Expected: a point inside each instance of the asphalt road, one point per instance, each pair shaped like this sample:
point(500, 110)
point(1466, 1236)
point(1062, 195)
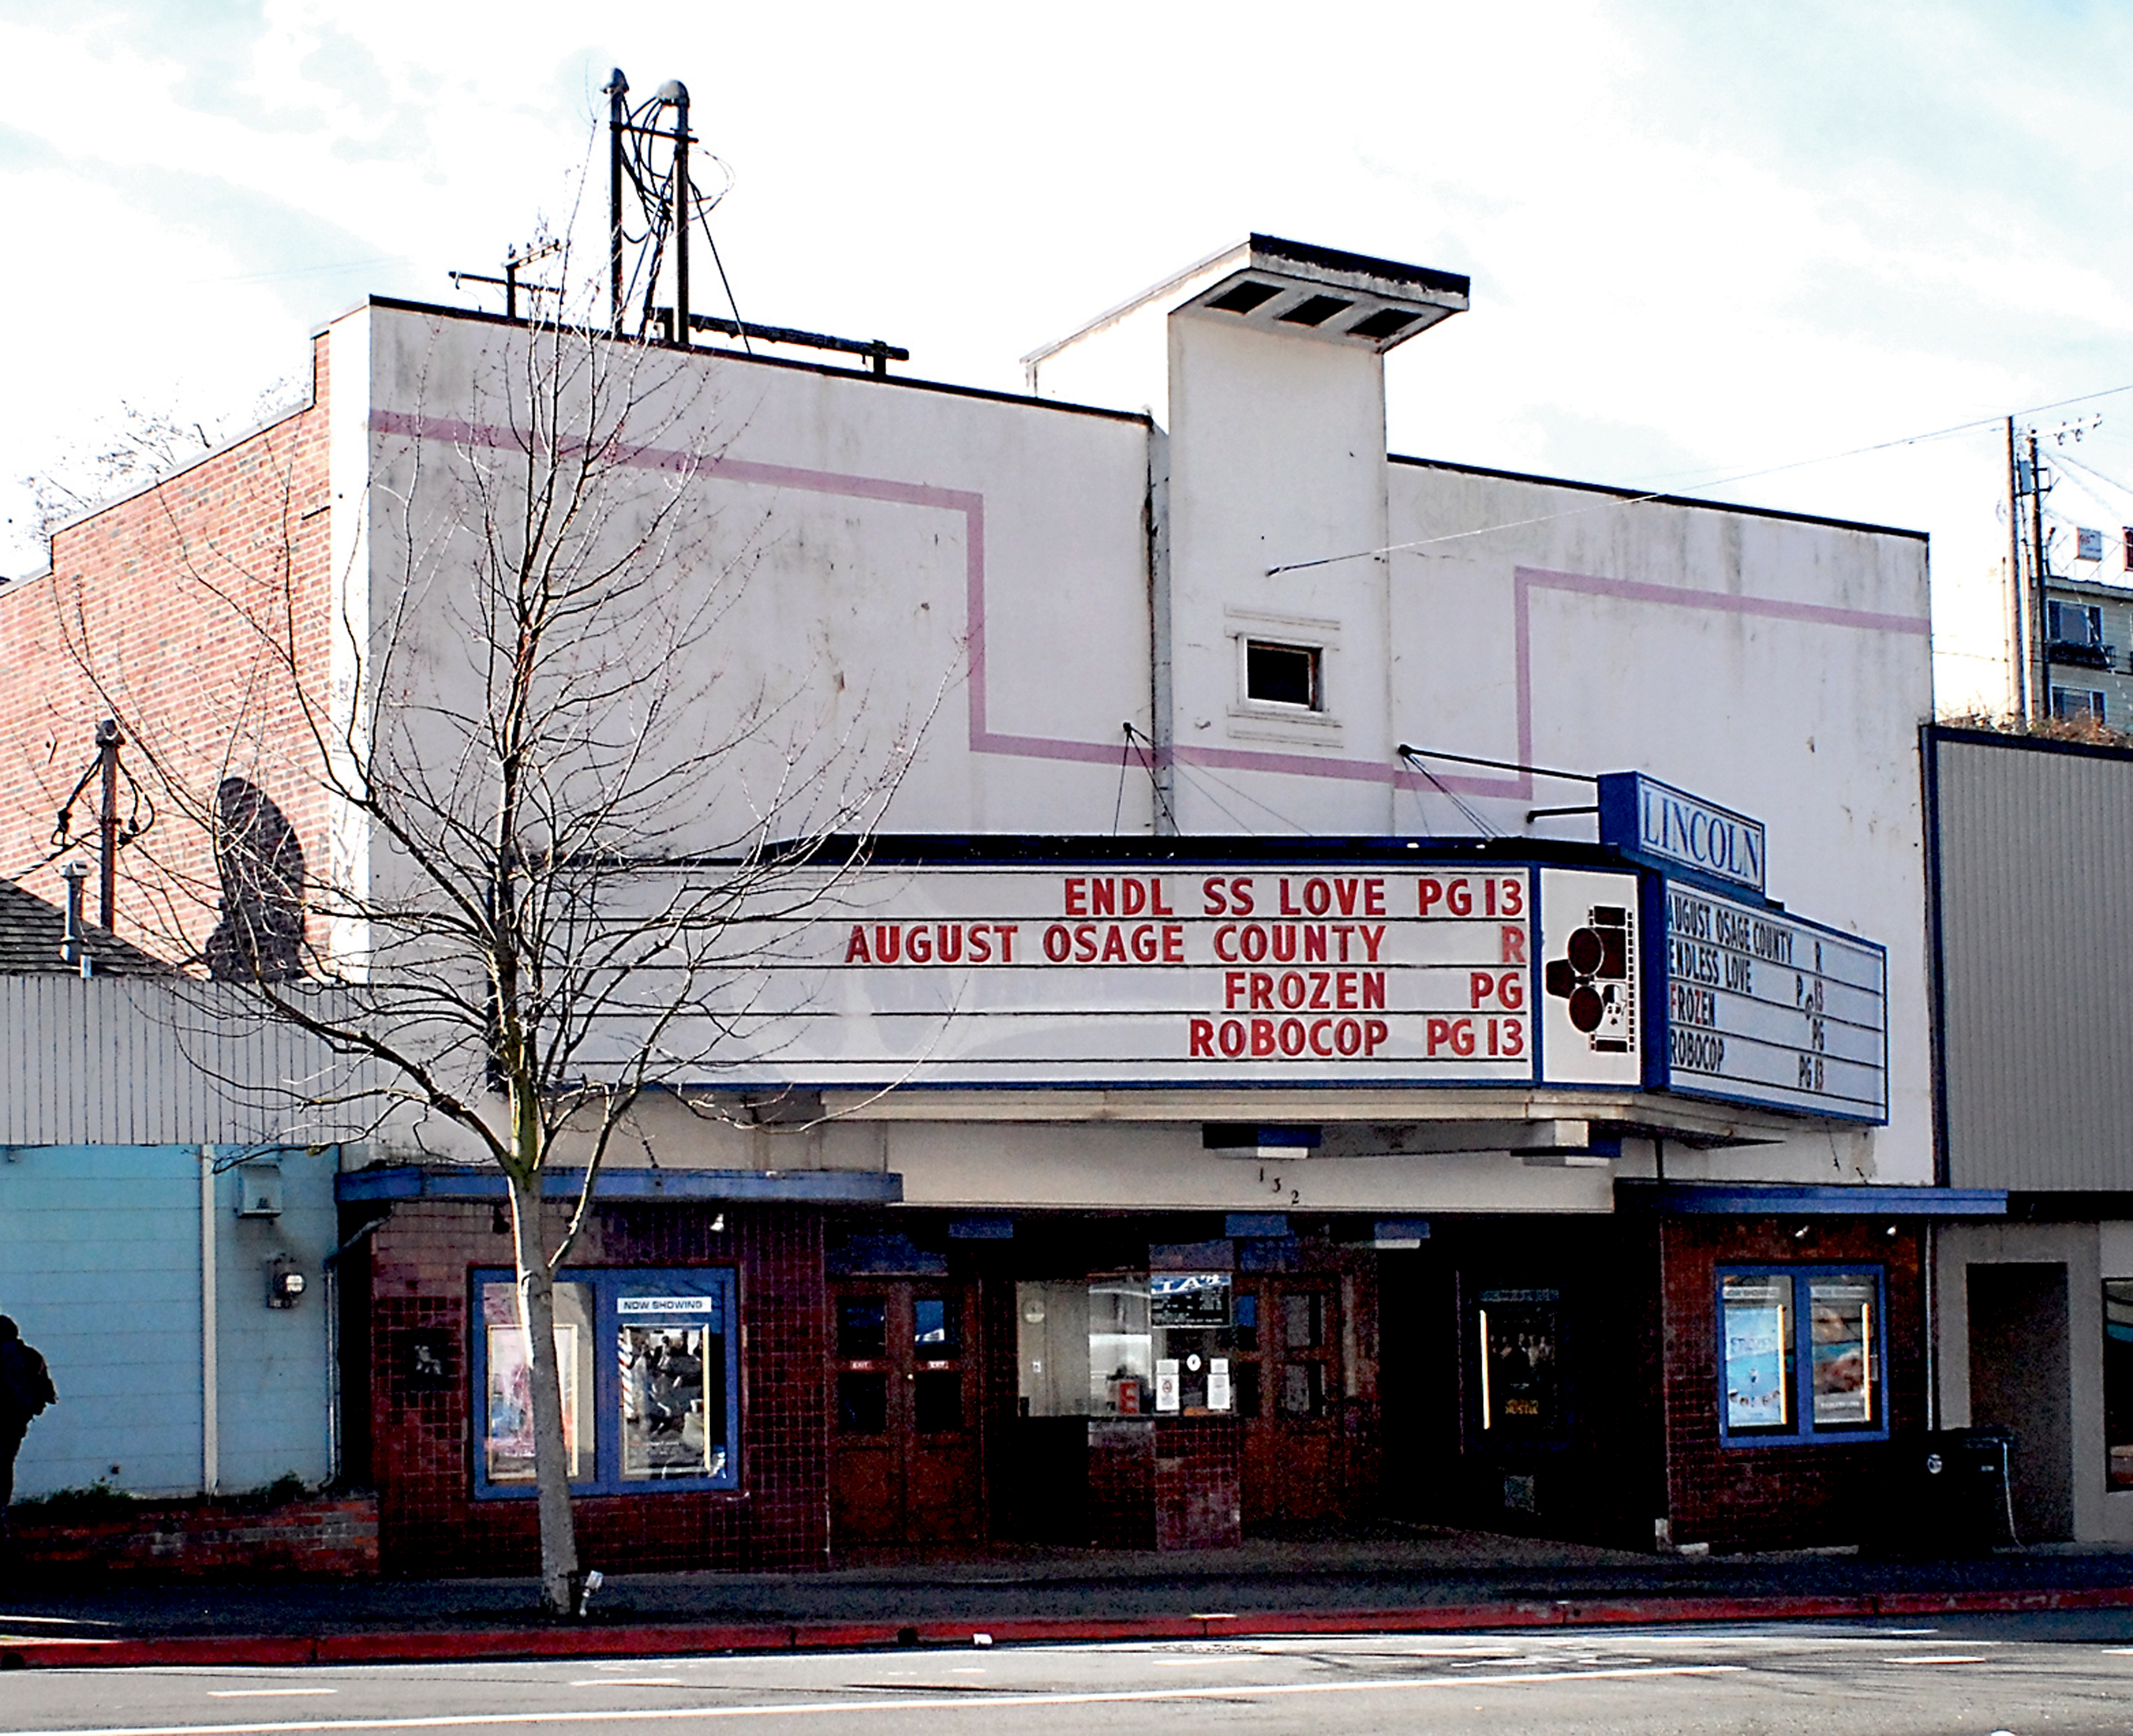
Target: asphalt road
point(2020, 1675)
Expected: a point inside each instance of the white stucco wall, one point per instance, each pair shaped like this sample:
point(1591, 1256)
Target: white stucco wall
point(2089, 1253)
point(858, 565)
point(1778, 667)
point(882, 556)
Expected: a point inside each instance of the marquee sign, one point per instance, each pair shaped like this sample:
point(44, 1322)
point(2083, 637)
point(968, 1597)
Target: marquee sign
point(1245, 974)
point(1072, 975)
point(1763, 1008)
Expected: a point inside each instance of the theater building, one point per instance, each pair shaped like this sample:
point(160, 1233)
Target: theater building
point(1385, 987)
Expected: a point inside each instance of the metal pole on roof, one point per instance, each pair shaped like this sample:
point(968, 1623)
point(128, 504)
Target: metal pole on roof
point(73, 950)
point(677, 93)
point(617, 118)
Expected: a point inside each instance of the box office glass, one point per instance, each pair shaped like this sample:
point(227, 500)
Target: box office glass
point(660, 1410)
point(1801, 1354)
point(1127, 1344)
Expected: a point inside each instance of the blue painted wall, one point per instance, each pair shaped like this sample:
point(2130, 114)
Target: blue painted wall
point(99, 1264)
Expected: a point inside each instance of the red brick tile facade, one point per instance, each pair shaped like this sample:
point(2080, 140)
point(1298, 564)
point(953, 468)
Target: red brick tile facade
point(191, 612)
point(321, 1538)
point(1122, 1483)
point(422, 1435)
point(1778, 1496)
point(1199, 1482)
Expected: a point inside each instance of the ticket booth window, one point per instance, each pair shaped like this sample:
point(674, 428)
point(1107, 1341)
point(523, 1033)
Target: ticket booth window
point(1133, 1344)
point(659, 1410)
point(1801, 1353)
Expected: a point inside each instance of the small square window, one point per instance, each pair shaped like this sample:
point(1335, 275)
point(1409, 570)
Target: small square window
point(2078, 625)
point(1302, 1390)
point(863, 1328)
point(862, 1402)
point(1285, 675)
point(937, 1401)
point(2070, 703)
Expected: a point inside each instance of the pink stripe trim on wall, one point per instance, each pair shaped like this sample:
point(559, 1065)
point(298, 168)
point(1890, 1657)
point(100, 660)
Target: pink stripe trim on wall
point(982, 739)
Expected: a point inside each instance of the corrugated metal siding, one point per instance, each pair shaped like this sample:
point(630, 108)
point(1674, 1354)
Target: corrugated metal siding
point(2036, 886)
point(136, 1061)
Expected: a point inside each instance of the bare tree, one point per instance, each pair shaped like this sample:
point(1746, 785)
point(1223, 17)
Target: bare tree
point(562, 823)
point(138, 446)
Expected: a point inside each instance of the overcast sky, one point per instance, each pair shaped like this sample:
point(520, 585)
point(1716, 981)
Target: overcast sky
point(1713, 247)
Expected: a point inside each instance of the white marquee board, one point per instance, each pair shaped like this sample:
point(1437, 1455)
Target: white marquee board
point(1072, 976)
point(1764, 1008)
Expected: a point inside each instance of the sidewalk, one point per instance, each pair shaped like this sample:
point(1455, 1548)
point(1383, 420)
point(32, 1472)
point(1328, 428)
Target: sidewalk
point(1384, 1579)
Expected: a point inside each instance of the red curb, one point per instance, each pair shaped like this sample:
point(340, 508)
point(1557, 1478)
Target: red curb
point(672, 1639)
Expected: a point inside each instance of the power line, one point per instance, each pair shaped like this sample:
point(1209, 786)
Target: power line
point(1720, 481)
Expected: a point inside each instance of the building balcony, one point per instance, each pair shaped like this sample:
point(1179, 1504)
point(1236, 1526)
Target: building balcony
point(2088, 657)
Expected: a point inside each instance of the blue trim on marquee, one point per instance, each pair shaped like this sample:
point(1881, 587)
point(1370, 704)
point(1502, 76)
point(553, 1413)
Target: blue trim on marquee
point(1748, 1199)
point(422, 1181)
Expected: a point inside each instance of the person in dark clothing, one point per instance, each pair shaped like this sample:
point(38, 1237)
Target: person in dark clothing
point(26, 1388)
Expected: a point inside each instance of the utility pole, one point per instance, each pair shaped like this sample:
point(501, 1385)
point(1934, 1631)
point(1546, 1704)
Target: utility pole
point(2040, 692)
point(2018, 652)
point(108, 739)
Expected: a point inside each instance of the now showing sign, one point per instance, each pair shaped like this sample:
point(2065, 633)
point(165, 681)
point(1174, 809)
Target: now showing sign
point(1667, 826)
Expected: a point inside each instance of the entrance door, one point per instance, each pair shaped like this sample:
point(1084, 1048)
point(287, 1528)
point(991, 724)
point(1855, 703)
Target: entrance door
point(1288, 1384)
point(2020, 1380)
point(903, 1446)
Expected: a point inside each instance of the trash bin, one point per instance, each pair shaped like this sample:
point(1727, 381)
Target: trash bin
point(1950, 1494)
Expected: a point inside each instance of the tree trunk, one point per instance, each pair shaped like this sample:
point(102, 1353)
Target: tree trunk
point(551, 1457)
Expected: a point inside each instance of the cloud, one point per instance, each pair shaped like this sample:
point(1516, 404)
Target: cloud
point(1705, 241)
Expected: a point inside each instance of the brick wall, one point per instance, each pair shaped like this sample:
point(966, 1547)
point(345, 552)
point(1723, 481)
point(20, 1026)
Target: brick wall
point(1121, 1482)
point(322, 1538)
point(422, 1435)
point(1199, 1482)
point(1788, 1496)
point(191, 612)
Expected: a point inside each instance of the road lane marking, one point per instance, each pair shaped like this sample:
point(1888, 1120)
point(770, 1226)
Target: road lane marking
point(53, 1639)
point(836, 1708)
point(265, 1693)
point(631, 1681)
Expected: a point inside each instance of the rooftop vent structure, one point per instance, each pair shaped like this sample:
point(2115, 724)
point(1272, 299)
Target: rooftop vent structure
point(1344, 298)
point(1281, 288)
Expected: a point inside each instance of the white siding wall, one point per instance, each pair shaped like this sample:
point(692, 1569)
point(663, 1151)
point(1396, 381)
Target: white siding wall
point(129, 1061)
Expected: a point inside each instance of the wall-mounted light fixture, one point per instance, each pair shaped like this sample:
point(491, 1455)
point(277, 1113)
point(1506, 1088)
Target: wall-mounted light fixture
point(259, 1190)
